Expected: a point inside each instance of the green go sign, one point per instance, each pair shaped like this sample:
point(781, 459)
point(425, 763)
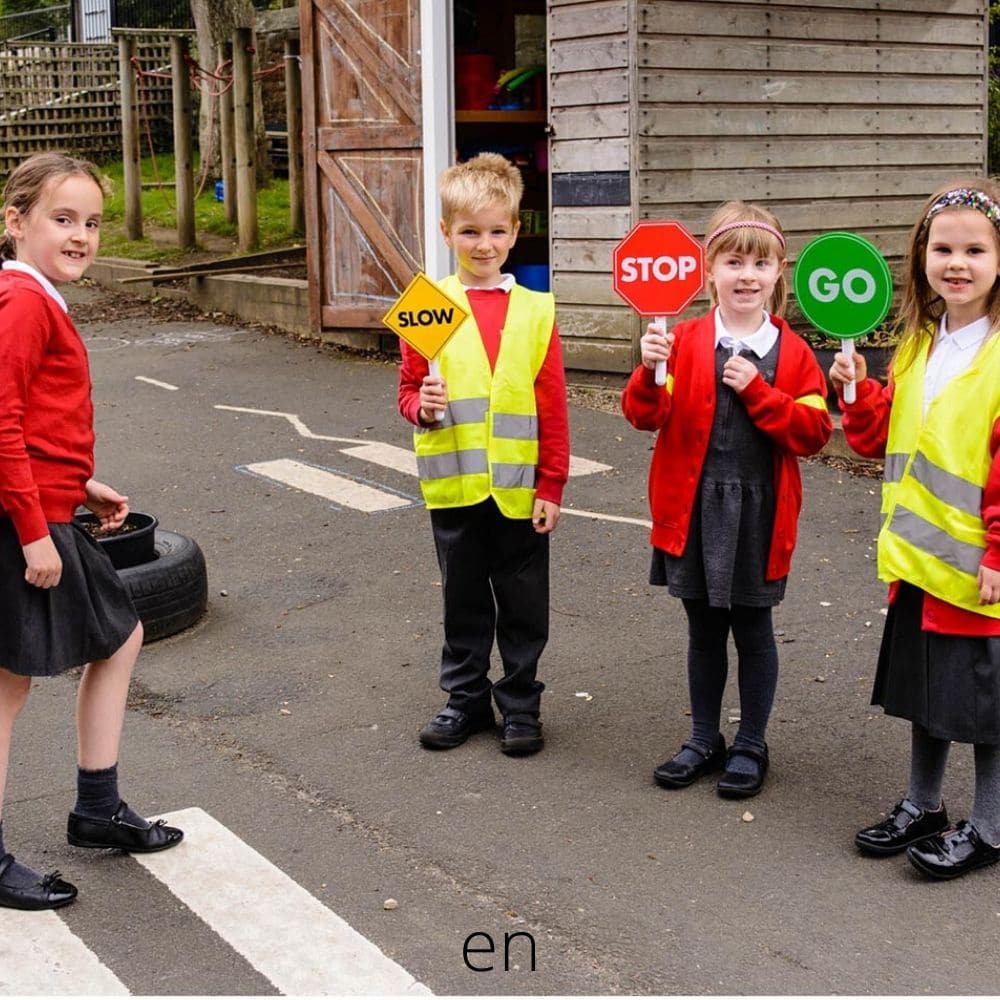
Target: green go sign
point(843, 285)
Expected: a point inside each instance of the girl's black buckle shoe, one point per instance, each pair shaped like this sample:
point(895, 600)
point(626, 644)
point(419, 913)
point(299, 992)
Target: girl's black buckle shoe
point(49, 893)
point(117, 832)
point(740, 784)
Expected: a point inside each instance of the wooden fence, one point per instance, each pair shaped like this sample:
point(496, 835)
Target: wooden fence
point(66, 97)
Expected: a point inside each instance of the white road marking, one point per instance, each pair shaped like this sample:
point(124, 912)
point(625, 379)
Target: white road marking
point(283, 931)
point(292, 418)
point(41, 956)
point(156, 382)
point(339, 489)
point(593, 515)
point(585, 467)
point(386, 455)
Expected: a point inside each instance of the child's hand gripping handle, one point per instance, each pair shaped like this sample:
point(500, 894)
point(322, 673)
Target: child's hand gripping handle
point(850, 388)
point(660, 374)
point(435, 370)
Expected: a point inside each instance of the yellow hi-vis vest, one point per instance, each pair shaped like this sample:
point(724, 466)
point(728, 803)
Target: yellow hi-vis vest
point(487, 443)
point(933, 534)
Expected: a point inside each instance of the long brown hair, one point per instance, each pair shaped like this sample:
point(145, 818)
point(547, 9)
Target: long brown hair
point(750, 241)
point(27, 181)
point(921, 307)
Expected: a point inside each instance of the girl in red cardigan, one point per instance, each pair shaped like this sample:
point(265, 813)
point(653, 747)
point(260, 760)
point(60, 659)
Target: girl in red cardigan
point(61, 602)
point(744, 397)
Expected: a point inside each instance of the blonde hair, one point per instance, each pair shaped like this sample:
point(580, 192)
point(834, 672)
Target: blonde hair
point(750, 240)
point(921, 307)
point(28, 180)
point(485, 180)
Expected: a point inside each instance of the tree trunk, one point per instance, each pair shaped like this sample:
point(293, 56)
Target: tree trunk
point(214, 22)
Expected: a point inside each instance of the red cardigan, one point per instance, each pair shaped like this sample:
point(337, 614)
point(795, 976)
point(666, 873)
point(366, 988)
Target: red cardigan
point(684, 421)
point(46, 416)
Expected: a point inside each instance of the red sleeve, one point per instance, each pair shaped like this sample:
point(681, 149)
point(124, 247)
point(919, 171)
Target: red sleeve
point(866, 420)
point(645, 404)
point(411, 376)
point(24, 333)
point(795, 426)
point(553, 424)
point(991, 504)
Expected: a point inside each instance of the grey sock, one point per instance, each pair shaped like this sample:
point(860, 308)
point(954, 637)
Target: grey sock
point(928, 758)
point(97, 792)
point(17, 876)
point(986, 806)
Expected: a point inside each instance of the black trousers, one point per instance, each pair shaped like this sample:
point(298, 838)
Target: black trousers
point(495, 582)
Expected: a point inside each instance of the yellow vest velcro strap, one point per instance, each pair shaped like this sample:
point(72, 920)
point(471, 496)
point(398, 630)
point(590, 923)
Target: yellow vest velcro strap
point(895, 464)
point(946, 486)
point(512, 425)
point(511, 477)
point(814, 400)
point(936, 542)
point(452, 463)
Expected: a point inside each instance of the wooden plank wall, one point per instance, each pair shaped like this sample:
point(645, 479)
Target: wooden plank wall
point(833, 113)
point(591, 98)
point(837, 115)
point(66, 97)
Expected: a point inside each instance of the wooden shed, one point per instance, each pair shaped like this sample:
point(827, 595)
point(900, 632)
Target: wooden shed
point(841, 114)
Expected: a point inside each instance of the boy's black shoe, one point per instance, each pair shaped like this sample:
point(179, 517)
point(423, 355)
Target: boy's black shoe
point(905, 825)
point(521, 735)
point(452, 727)
point(952, 852)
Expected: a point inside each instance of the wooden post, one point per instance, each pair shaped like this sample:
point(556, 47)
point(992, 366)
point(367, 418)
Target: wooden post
point(246, 146)
point(183, 161)
point(293, 115)
point(130, 138)
point(227, 140)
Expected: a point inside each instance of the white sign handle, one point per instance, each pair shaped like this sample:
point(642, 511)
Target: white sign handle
point(435, 367)
point(661, 366)
point(850, 389)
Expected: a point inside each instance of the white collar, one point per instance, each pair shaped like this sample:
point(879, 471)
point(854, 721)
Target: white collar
point(16, 265)
point(760, 341)
point(970, 335)
point(506, 283)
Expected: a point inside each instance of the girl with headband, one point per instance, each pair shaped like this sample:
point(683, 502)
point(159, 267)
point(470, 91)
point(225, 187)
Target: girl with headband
point(937, 424)
point(744, 397)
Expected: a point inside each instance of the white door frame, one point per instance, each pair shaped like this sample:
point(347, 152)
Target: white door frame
point(437, 74)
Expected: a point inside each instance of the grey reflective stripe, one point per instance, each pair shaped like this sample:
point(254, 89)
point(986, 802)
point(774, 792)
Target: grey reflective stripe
point(933, 540)
point(460, 411)
point(895, 463)
point(953, 490)
point(512, 477)
point(451, 463)
point(510, 425)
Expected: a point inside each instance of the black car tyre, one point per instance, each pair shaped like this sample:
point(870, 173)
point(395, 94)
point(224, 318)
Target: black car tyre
point(170, 592)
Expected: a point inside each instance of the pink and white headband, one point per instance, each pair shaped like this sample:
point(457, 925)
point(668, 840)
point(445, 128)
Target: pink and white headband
point(745, 224)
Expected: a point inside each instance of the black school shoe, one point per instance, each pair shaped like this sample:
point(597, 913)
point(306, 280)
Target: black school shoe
point(451, 727)
point(739, 784)
point(906, 824)
point(672, 774)
point(521, 735)
point(117, 832)
point(49, 893)
point(952, 853)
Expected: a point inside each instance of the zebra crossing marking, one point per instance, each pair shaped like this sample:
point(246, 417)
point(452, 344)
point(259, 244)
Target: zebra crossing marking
point(337, 487)
point(282, 930)
point(41, 956)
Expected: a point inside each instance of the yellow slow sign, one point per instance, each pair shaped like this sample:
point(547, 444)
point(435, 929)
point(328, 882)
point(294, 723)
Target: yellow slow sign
point(424, 316)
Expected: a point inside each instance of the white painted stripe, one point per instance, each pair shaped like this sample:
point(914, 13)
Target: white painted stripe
point(41, 956)
point(283, 931)
point(292, 418)
point(606, 517)
point(585, 467)
point(339, 489)
point(156, 382)
point(386, 455)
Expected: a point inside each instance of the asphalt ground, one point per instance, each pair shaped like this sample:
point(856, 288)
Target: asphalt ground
point(290, 714)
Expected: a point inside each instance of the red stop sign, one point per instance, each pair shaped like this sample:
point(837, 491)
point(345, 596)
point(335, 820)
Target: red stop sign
point(659, 268)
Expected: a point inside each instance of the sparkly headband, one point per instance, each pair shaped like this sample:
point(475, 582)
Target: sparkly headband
point(747, 225)
point(965, 198)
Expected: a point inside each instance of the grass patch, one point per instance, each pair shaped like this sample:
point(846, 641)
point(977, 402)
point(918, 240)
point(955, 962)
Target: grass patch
point(159, 213)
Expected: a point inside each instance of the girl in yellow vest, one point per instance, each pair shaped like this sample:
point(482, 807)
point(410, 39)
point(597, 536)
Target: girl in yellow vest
point(937, 425)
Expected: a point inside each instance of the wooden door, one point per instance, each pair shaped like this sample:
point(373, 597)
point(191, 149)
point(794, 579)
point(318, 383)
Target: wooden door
point(362, 148)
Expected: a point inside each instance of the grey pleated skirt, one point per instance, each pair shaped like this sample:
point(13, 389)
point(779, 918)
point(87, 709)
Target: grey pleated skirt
point(86, 617)
point(949, 684)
